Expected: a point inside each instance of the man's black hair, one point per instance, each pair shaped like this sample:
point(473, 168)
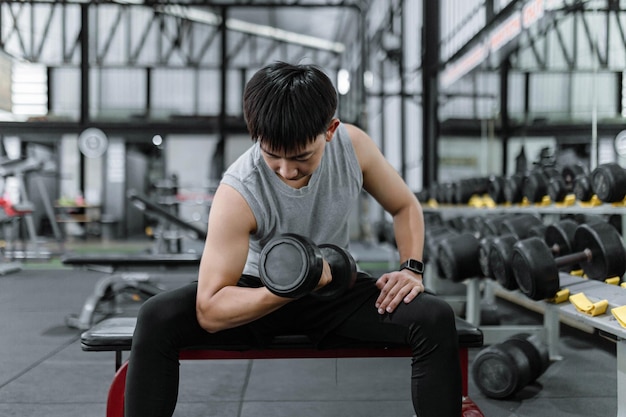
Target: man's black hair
point(287, 106)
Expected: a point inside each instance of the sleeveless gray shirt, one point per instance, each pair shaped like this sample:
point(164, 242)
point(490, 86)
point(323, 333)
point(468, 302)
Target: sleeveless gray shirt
point(320, 210)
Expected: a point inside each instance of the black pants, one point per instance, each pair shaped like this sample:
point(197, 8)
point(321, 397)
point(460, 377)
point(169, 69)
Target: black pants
point(167, 323)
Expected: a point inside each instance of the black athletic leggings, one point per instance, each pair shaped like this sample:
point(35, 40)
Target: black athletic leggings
point(167, 323)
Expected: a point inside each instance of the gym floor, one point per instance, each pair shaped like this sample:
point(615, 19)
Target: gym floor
point(44, 372)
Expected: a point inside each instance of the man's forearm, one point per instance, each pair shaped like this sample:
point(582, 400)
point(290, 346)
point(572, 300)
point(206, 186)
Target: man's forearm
point(408, 226)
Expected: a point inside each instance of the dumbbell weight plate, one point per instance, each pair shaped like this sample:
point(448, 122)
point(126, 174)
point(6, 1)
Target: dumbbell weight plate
point(608, 182)
point(458, 256)
point(343, 269)
point(495, 189)
point(582, 188)
point(499, 369)
point(608, 257)
point(569, 173)
point(538, 353)
point(513, 189)
point(483, 255)
point(557, 189)
point(503, 369)
point(561, 235)
point(499, 261)
point(535, 187)
point(291, 265)
point(534, 269)
point(520, 225)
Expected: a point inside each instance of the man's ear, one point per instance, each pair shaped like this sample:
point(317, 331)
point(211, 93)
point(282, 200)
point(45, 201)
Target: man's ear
point(332, 127)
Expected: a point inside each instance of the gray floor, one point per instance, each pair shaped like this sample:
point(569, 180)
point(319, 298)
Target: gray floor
point(43, 371)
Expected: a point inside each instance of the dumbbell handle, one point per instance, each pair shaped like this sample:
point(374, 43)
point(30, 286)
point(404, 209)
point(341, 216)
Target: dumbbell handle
point(573, 258)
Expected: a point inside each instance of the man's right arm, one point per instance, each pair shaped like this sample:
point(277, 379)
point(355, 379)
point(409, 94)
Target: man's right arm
point(220, 303)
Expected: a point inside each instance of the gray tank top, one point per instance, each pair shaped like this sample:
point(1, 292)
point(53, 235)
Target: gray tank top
point(320, 210)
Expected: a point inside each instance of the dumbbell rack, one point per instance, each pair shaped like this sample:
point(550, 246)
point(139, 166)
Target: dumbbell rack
point(549, 331)
point(472, 299)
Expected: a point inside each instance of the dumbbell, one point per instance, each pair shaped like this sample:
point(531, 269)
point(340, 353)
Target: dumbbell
point(432, 237)
point(559, 186)
point(503, 369)
point(608, 182)
point(513, 188)
point(457, 257)
point(495, 189)
point(519, 225)
point(558, 237)
point(582, 187)
point(291, 266)
point(597, 248)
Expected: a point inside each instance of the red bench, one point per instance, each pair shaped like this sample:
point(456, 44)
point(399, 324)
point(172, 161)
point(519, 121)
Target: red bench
point(115, 334)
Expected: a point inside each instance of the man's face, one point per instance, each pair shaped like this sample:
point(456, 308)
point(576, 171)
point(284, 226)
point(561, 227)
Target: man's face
point(295, 168)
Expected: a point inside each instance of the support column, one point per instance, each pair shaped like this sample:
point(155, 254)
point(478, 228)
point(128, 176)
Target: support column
point(430, 90)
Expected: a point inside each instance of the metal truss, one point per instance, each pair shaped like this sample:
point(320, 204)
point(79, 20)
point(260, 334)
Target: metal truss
point(594, 31)
point(563, 40)
point(156, 33)
point(201, 35)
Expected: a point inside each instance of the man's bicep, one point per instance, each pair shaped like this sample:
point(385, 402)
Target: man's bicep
point(226, 248)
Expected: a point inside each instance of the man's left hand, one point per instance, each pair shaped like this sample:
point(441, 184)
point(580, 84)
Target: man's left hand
point(396, 287)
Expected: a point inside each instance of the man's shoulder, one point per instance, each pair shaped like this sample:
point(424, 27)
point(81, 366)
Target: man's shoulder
point(245, 165)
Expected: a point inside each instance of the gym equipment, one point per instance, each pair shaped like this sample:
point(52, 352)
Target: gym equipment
point(432, 238)
point(536, 184)
point(597, 247)
point(291, 266)
point(111, 290)
point(582, 188)
point(608, 182)
point(495, 189)
point(23, 209)
point(115, 335)
point(503, 369)
point(458, 257)
point(519, 225)
point(568, 175)
point(168, 219)
point(497, 252)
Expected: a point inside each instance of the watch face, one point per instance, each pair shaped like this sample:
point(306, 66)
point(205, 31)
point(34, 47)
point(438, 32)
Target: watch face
point(415, 266)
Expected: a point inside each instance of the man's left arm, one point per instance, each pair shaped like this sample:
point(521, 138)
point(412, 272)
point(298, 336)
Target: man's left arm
point(388, 188)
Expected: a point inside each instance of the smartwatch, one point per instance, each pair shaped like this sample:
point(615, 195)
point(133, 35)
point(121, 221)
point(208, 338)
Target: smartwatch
point(413, 266)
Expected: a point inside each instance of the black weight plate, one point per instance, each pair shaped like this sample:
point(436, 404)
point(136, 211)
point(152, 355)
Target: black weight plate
point(491, 224)
point(534, 269)
point(500, 261)
point(495, 189)
point(560, 236)
point(607, 250)
point(432, 240)
point(520, 225)
point(513, 189)
point(495, 372)
point(523, 353)
point(582, 188)
point(537, 231)
point(608, 182)
point(535, 187)
point(290, 266)
point(542, 351)
point(569, 173)
point(483, 255)
point(535, 360)
point(343, 269)
point(557, 189)
point(458, 257)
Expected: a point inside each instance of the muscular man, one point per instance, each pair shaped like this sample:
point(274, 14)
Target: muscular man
point(303, 174)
